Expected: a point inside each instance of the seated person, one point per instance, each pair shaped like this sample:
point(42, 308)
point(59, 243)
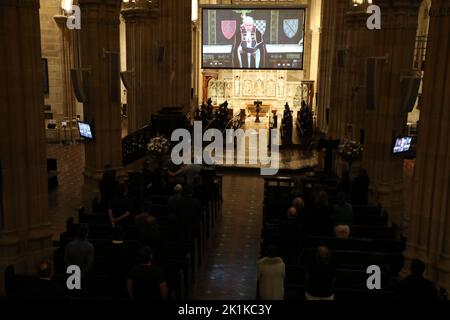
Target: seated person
point(343, 216)
point(42, 288)
point(146, 281)
point(320, 277)
point(415, 286)
point(271, 272)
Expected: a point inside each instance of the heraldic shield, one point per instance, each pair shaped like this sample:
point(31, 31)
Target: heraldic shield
point(290, 27)
point(229, 28)
point(261, 26)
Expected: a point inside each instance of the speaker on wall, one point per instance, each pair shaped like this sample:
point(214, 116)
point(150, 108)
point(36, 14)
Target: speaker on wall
point(362, 136)
point(340, 55)
point(76, 77)
point(410, 86)
point(160, 55)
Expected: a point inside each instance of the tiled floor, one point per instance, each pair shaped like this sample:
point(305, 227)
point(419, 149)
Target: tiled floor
point(229, 270)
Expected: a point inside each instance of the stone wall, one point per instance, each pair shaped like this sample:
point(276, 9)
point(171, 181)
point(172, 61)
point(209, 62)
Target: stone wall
point(51, 43)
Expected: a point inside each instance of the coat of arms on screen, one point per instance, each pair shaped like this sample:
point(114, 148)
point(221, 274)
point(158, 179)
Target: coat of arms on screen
point(261, 26)
point(290, 27)
point(229, 28)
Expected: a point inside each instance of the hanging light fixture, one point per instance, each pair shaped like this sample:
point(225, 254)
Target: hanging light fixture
point(194, 14)
point(67, 5)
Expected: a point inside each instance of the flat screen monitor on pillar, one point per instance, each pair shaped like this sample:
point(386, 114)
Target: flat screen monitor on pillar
point(86, 131)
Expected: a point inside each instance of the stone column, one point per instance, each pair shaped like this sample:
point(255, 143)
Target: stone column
point(25, 234)
point(171, 76)
point(327, 56)
point(67, 62)
point(99, 39)
point(395, 42)
point(429, 231)
point(347, 83)
point(159, 51)
point(337, 73)
point(363, 46)
point(139, 46)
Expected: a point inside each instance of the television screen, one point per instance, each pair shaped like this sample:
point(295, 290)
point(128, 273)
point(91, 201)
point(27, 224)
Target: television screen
point(403, 145)
point(86, 131)
point(253, 38)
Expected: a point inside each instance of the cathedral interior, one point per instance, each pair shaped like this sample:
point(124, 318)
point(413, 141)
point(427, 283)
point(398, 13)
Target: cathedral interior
point(348, 100)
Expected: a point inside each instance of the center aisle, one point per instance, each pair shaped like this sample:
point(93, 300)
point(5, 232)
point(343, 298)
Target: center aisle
point(229, 269)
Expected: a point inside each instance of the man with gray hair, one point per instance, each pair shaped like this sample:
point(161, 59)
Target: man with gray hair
point(249, 45)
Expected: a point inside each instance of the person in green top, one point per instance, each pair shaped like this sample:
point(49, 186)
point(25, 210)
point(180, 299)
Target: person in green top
point(343, 216)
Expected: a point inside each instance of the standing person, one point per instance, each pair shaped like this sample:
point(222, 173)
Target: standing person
point(345, 185)
point(320, 277)
point(271, 275)
point(118, 262)
point(415, 286)
point(42, 288)
point(343, 216)
point(291, 237)
point(319, 220)
point(360, 188)
point(146, 281)
point(80, 252)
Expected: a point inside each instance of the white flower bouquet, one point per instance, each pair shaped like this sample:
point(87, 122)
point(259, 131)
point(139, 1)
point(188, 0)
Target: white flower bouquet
point(350, 151)
point(158, 146)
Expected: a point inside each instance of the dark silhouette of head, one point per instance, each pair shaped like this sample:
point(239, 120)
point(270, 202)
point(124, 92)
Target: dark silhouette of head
point(117, 233)
point(322, 199)
point(272, 251)
point(83, 231)
point(298, 204)
point(145, 255)
point(292, 213)
point(340, 198)
point(417, 267)
point(346, 175)
point(323, 255)
point(45, 270)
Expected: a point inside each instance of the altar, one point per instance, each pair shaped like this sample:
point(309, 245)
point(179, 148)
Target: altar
point(273, 87)
point(263, 112)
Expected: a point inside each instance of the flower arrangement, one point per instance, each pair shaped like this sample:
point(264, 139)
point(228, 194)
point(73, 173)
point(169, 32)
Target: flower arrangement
point(350, 151)
point(158, 146)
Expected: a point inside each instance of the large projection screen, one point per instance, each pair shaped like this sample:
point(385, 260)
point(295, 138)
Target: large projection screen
point(253, 38)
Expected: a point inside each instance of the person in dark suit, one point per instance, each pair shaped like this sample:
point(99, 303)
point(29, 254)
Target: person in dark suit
point(42, 288)
point(319, 221)
point(119, 262)
point(291, 236)
point(415, 286)
point(188, 212)
point(360, 188)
